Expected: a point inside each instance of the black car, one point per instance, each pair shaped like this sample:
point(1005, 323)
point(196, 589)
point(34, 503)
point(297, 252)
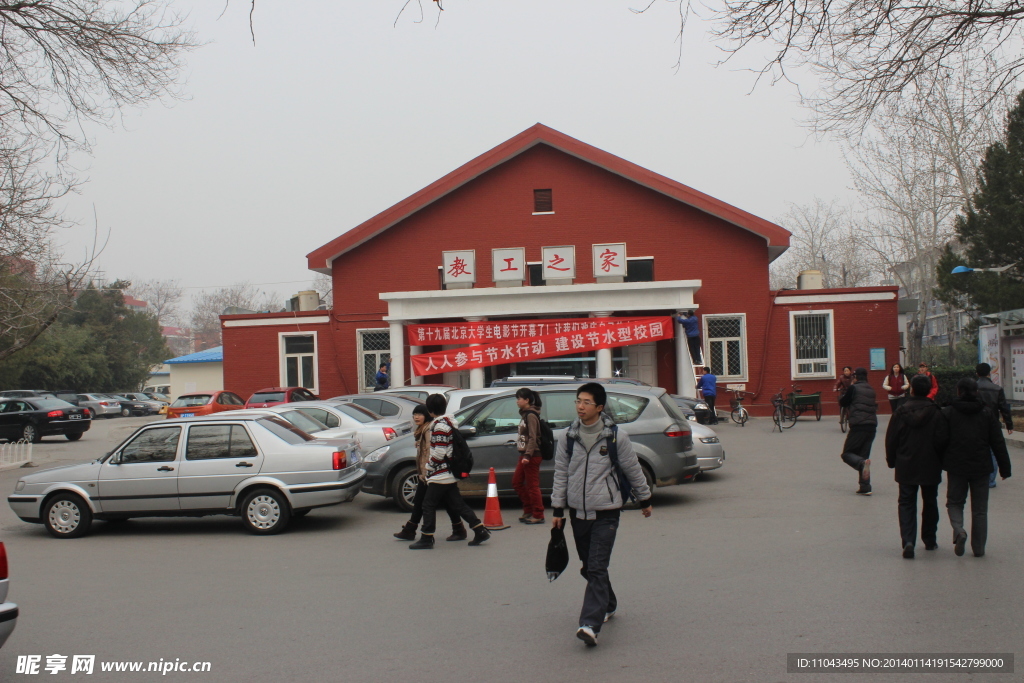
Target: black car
point(133, 407)
point(693, 406)
point(32, 418)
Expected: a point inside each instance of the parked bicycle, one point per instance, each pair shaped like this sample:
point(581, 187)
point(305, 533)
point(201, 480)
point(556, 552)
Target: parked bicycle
point(739, 414)
point(783, 414)
point(844, 418)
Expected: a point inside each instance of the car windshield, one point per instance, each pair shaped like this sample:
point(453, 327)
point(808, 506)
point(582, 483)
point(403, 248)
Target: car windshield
point(268, 397)
point(50, 403)
point(304, 422)
point(284, 430)
point(191, 401)
point(358, 412)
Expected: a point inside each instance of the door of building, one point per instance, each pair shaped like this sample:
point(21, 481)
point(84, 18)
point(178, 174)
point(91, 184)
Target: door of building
point(643, 363)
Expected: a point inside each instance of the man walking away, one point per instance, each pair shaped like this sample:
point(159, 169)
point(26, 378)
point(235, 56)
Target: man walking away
point(381, 379)
point(441, 486)
point(991, 394)
point(914, 442)
point(707, 385)
point(859, 400)
point(691, 326)
point(587, 481)
point(974, 435)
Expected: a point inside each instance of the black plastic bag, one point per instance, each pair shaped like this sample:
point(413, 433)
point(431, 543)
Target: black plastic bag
point(558, 554)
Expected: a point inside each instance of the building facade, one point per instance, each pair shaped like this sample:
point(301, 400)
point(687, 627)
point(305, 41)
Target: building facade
point(545, 235)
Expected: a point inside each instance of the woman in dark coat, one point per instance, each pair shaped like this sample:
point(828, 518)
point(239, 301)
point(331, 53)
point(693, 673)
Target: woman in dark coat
point(974, 435)
point(914, 443)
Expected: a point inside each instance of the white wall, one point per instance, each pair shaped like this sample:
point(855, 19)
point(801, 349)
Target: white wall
point(188, 378)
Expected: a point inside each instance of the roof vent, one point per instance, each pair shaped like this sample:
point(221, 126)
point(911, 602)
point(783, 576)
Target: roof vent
point(809, 279)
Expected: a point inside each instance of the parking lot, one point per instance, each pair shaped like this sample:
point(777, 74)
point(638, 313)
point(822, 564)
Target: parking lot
point(772, 554)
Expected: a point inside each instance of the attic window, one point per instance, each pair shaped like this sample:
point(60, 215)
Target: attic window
point(542, 202)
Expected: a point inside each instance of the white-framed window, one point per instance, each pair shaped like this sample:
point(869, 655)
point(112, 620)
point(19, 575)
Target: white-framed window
point(812, 344)
point(725, 345)
point(373, 347)
point(298, 352)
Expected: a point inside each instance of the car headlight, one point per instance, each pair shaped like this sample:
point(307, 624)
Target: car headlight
point(377, 454)
point(709, 439)
point(700, 406)
point(692, 418)
point(20, 485)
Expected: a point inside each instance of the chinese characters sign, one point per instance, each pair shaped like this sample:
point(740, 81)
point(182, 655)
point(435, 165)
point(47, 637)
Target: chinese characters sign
point(606, 333)
point(459, 266)
point(508, 265)
point(609, 259)
point(559, 262)
point(487, 332)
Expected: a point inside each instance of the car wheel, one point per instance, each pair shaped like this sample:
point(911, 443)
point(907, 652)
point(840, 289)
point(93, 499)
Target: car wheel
point(67, 516)
point(266, 511)
point(31, 433)
point(301, 513)
point(403, 487)
point(73, 437)
point(125, 412)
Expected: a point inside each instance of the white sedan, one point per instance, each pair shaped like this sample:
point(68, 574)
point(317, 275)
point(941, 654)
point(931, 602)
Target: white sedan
point(372, 430)
point(707, 446)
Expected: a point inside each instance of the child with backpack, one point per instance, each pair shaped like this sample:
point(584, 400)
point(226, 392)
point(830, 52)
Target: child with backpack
point(526, 480)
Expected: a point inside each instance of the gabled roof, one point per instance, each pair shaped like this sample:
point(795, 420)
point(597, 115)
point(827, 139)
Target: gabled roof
point(214, 355)
point(777, 238)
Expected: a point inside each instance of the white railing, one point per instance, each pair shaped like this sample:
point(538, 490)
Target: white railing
point(15, 453)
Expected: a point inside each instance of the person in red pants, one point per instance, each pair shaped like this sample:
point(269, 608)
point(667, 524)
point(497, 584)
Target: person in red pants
point(526, 480)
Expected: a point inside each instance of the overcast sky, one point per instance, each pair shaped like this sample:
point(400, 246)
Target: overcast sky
point(336, 114)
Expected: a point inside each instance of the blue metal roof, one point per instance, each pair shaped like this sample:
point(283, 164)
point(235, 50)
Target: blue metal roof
point(214, 355)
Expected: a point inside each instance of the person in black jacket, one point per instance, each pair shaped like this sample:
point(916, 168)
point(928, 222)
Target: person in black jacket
point(992, 395)
point(859, 400)
point(914, 442)
point(973, 436)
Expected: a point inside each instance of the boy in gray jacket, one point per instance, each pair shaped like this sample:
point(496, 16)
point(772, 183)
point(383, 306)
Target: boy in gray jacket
point(587, 483)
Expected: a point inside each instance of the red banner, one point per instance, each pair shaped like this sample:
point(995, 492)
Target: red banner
point(491, 332)
point(606, 333)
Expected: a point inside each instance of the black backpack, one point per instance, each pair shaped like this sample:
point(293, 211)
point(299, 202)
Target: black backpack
point(547, 441)
point(461, 462)
point(625, 488)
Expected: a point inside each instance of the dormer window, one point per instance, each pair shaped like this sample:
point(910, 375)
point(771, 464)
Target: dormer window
point(542, 202)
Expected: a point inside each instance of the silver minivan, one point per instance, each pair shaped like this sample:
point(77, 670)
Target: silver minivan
point(660, 434)
point(257, 466)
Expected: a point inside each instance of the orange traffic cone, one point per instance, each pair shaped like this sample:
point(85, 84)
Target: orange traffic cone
point(492, 511)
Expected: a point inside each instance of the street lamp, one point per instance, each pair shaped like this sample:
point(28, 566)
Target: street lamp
point(967, 269)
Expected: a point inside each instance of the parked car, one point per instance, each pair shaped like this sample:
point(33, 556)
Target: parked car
point(131, 406)
point(419, 391)
point(163, 398)
point(710, 453)
point(372, 429)
point(383, 404)
point(19, 393)
point(30, 419)
point(8, 610)
point(532, 380)
point(204, 403)
point(264, 398)
point(69, 395)
point(258, 467)
point(100, 405)
point(164, 389)
point(660, 434)
point(463, 398)
point(695, 406)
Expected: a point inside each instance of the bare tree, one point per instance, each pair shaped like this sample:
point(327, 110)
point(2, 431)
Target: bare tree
point(163, 296)
point(208, 306)
point(823, 239)
point(324, 286)
point(870, 53)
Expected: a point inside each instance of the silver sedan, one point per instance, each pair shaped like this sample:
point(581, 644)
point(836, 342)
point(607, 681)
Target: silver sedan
point(373, 431)
point(707, 446)
point(258, 467)
point(100, 405)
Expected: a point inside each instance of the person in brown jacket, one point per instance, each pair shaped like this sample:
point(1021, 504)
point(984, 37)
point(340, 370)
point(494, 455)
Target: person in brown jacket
point(421, 418)
point(526, 480)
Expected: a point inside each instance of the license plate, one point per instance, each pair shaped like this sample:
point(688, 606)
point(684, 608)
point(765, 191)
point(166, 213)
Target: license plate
point(188, 414)
point(74, 417)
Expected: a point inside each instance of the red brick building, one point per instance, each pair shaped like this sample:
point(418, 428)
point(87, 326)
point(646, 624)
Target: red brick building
point(543, 198)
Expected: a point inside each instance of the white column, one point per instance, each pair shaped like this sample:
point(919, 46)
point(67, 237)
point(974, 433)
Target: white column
point(604, 356)
point(415, 351)
point(476, 375)
point(686, 385)
point(397, 329)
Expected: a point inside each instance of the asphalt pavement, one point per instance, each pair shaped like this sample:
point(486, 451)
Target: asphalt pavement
point(772, 554)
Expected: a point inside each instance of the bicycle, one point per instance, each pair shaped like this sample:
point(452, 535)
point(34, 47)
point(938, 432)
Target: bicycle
point(739, 414)
point(783, 414)
point(844, 419)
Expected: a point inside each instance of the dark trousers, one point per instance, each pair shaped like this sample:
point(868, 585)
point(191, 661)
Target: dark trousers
point(712, 415)
point(526, 482)
point(695, 355)
point(595, 539)
point(929, 513)
point(417, 506)
point(857, 449)
point(449, 496)
point(895, 403)
point(956, 495)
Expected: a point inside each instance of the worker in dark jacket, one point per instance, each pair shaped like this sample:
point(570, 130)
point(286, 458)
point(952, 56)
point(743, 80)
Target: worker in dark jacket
point(914, 443)
point(974, 435)
point(991, 394)
point(860, 402)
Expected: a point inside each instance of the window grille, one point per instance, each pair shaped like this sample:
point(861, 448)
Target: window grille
point(375, 348)
point(725, 344)
point(812, 343)
point(542, 201)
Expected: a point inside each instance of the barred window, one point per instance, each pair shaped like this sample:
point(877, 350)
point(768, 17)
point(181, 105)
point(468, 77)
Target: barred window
point(811, 336)
point(374, 349)
point(726, 345)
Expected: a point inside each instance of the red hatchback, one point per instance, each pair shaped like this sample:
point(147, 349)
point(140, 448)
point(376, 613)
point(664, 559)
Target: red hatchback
point(264, 398)
point(204, 403)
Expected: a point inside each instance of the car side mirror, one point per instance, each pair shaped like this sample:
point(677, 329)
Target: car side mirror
point(467, 431)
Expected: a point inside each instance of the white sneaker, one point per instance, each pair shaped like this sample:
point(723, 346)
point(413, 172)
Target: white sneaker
point(587, 635)
point(608, 616)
